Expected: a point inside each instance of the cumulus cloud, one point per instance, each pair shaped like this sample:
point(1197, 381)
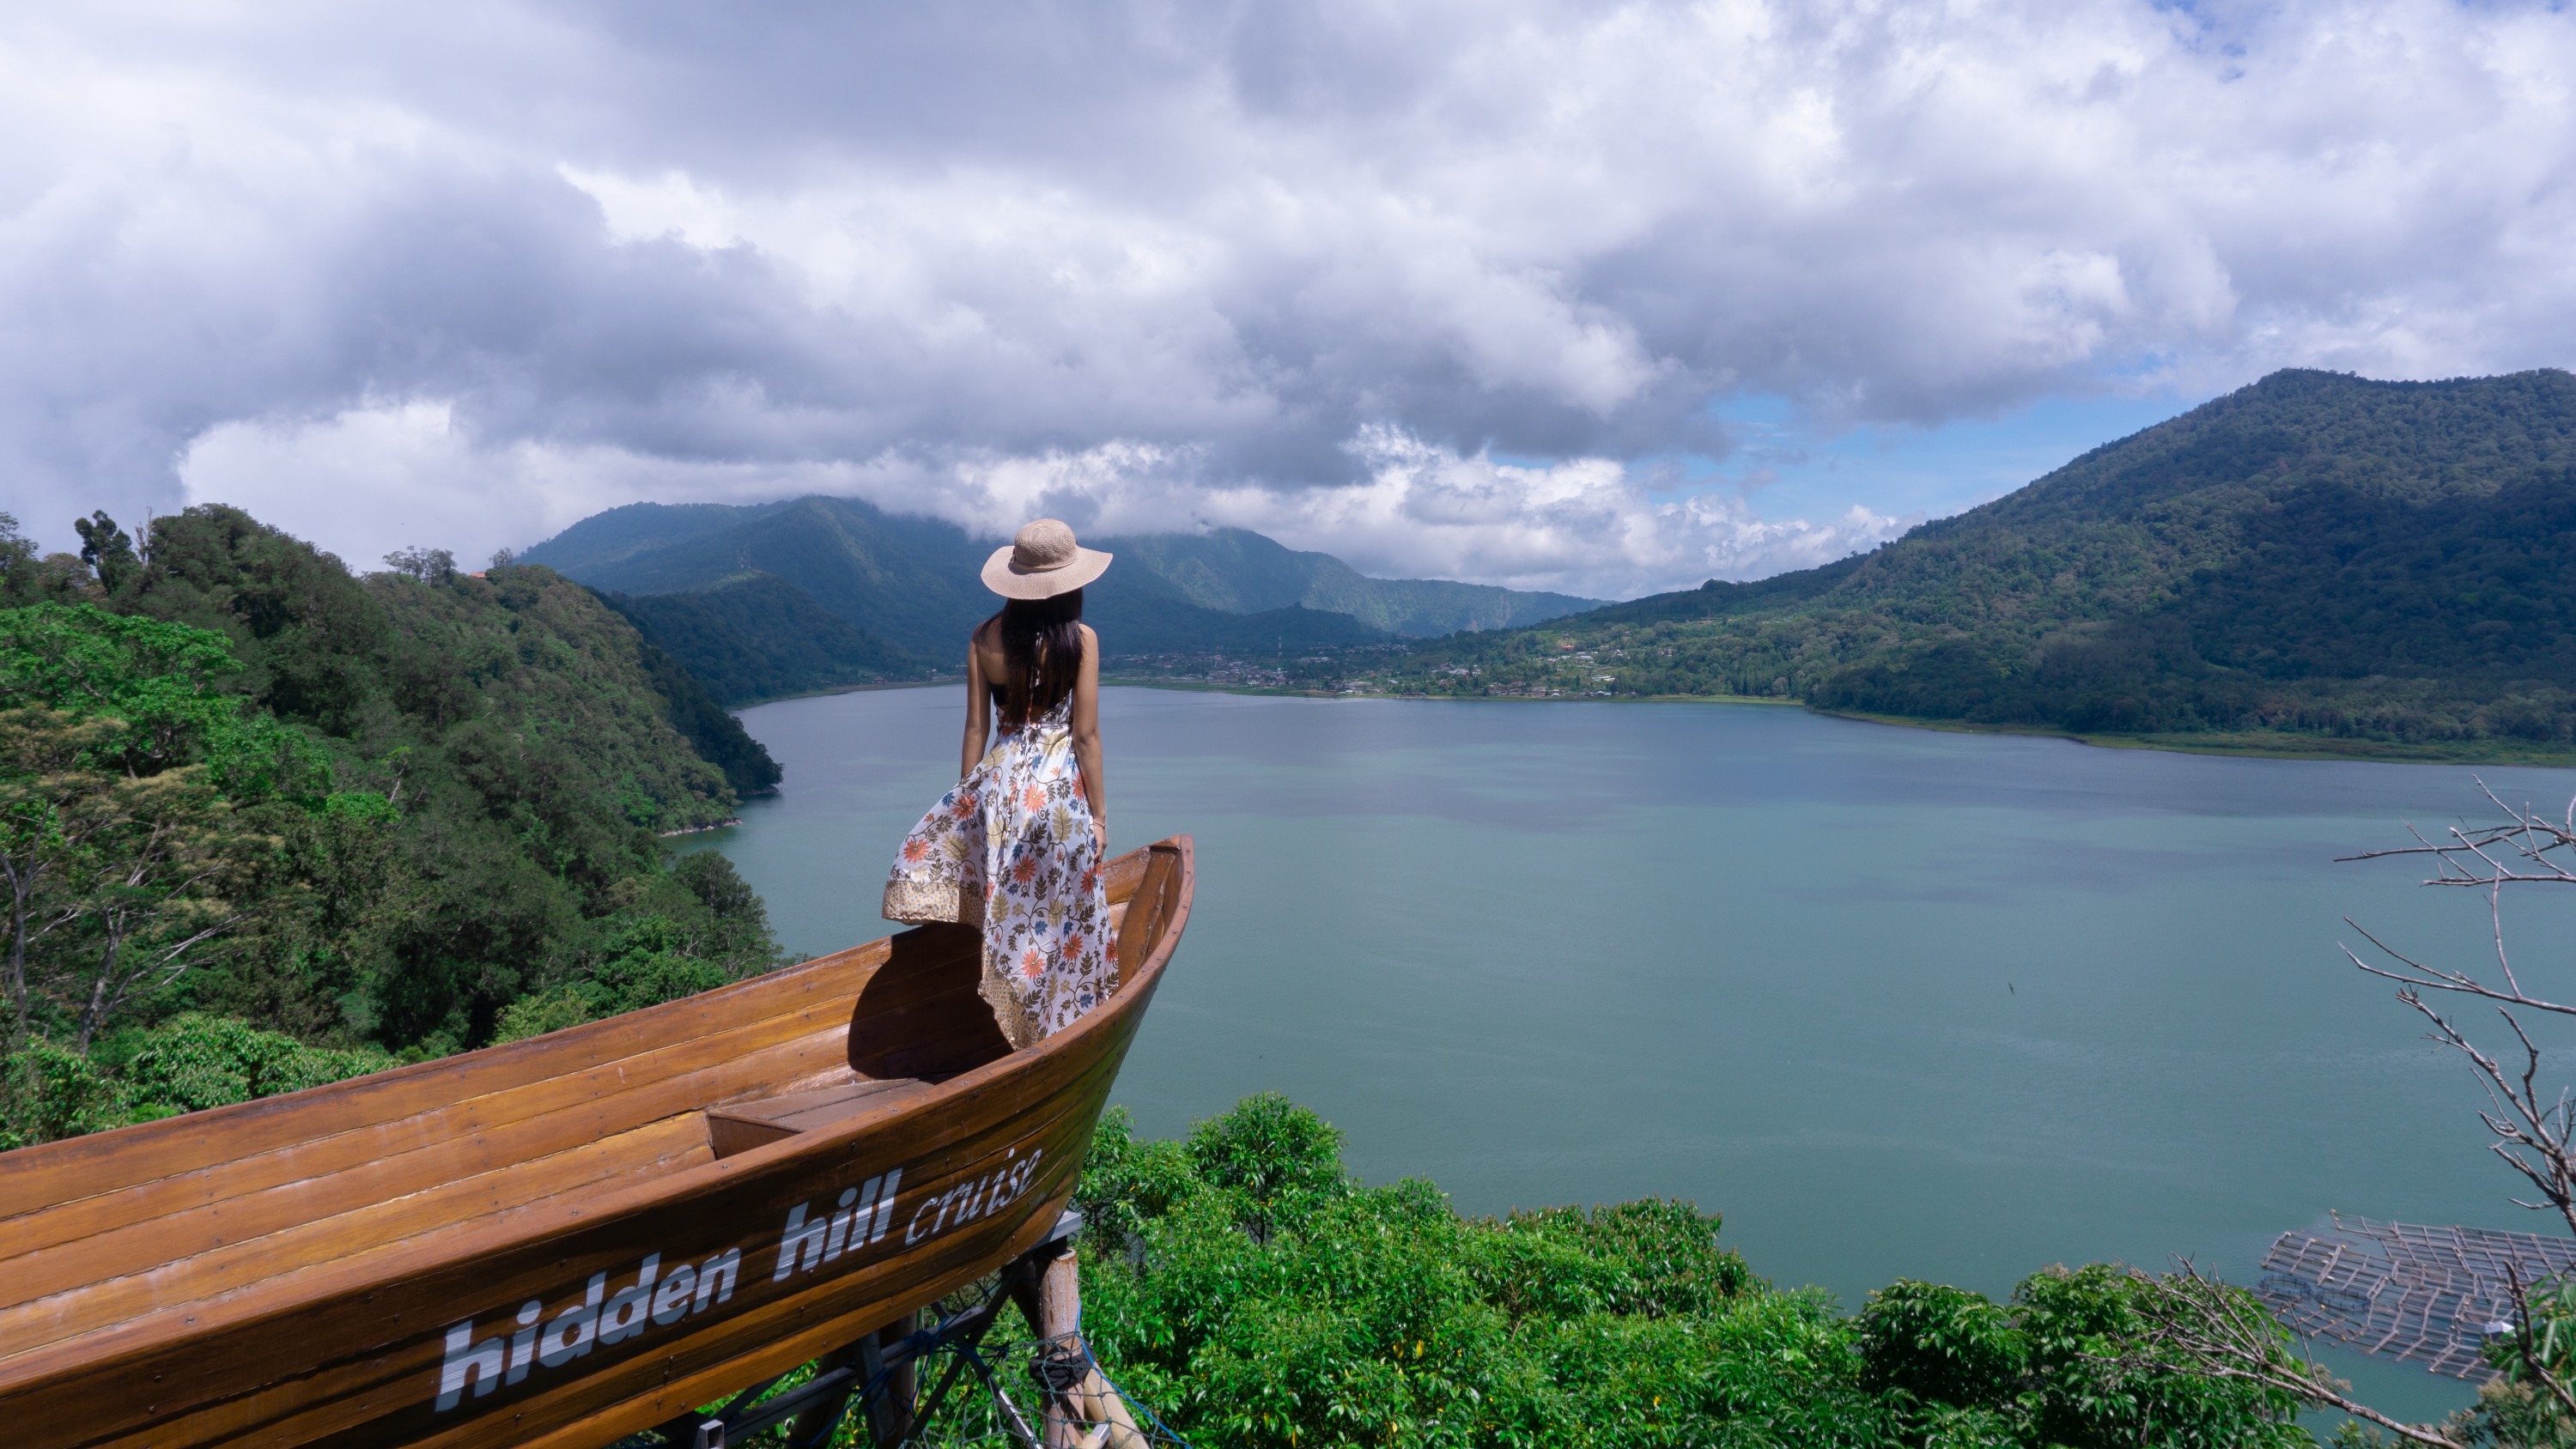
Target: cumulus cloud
point(375, 478)
point(1308, 268)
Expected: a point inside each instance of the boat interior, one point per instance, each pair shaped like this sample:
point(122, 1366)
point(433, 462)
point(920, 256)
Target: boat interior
point(98, 1231)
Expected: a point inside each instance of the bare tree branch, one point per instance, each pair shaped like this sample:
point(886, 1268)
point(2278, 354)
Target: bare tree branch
point(2225, 1333)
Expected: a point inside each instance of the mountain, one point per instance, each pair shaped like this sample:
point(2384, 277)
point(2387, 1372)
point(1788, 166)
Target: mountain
point(2314, 554)
point(910, 581)
point(913, 581)
point(756, 636)
point(1242, 572)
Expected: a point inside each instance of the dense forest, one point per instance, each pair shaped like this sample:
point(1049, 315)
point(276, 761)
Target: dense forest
point(2312, 556)
point(266, 823)
point(757, 637)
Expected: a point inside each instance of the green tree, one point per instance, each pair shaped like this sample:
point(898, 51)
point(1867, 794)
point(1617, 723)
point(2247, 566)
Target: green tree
point(46, 790)
point(243, 784)
point(118, 884)
point(107, 549)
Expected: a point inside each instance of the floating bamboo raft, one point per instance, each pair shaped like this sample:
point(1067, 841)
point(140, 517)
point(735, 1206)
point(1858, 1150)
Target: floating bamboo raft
point(565, 1240)
point(2417, 1294)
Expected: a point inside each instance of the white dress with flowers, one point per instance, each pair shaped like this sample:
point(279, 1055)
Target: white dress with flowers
point(1011, 848)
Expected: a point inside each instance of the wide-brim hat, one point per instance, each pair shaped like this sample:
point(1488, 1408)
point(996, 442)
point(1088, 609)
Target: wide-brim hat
point(1042, 562)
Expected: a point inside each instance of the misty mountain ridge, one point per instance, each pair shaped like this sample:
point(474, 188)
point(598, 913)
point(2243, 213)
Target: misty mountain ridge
point(1242, 572)
point(908, 589)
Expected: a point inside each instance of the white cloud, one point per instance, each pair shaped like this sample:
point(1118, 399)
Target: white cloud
point(368, 481)
point(1302, 267)
point(377, 478)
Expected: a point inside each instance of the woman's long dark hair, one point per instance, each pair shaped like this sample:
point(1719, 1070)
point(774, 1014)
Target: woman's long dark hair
point(1042, 645)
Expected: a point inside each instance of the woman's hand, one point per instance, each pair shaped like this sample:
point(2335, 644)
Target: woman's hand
point(1100, 837)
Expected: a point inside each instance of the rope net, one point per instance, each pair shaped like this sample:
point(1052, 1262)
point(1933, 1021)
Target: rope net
point(1012, 1389)
point(2399, 1290)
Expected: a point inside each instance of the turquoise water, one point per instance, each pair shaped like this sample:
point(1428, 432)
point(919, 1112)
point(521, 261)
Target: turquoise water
point(1898, 1003)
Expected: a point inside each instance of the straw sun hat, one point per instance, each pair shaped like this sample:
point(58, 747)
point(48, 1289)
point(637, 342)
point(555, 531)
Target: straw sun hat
point(1042, 562)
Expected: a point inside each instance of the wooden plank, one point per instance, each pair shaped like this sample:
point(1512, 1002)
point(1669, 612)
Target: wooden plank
point(172, 1239)
point(1148, 910)
point(801, 1111)
point(1124, 872)
point(673, 1097)
point(761, 1121)
point(723, 1064)
point(785, 1348)
point(53, 1174)
point(681, 1381)
point(768, 1341)
point(349, 1237)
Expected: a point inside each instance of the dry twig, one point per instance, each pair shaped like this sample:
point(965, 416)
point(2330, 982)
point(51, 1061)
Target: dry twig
point(2535, 1134)
point(2224, 1333)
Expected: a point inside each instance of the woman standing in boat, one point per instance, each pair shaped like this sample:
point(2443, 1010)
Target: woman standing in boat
point(1017, 846)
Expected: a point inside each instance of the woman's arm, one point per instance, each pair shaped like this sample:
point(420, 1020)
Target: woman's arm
point(979, 705)
point(1086, 737)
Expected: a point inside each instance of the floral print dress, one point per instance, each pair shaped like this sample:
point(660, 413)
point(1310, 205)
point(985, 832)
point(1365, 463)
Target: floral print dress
point(1011, 848)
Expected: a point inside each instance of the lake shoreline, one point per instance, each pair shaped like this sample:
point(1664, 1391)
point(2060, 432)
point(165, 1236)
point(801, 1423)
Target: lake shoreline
point(2247, 744)
point(2251, 744)
point(2242, 743)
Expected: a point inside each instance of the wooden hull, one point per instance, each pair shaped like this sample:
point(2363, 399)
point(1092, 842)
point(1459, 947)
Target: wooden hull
point(565, 1240)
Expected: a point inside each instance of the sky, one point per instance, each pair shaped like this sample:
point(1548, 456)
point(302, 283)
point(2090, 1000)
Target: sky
point(1607, 298)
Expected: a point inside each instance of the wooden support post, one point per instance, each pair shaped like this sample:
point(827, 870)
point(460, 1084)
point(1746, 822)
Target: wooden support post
point(816, 1419)
point(1060, 1323)
point(890, 1410)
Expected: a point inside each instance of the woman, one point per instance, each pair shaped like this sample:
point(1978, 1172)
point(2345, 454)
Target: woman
point(1017, 846)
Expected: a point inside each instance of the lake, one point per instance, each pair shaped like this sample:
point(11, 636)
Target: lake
point(1898, 1003)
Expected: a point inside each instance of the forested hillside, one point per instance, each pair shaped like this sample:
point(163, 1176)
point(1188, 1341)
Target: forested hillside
point(2313, 555)
point(757, 636)
point(271, 822)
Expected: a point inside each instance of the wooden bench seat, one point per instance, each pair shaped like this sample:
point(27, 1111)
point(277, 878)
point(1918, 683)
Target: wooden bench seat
point(741, 1126)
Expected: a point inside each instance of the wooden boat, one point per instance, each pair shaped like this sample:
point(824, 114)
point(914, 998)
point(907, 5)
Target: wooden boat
point(568, 1239)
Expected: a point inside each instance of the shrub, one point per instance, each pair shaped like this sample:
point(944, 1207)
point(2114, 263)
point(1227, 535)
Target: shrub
point(198, 1061)
point(1246, 1286)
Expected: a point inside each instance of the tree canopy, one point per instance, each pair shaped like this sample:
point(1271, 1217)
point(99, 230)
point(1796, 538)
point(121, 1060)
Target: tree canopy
point(379, 817)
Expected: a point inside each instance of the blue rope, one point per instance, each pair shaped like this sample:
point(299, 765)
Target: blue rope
point(1129, 1399)
point(925, 1345)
